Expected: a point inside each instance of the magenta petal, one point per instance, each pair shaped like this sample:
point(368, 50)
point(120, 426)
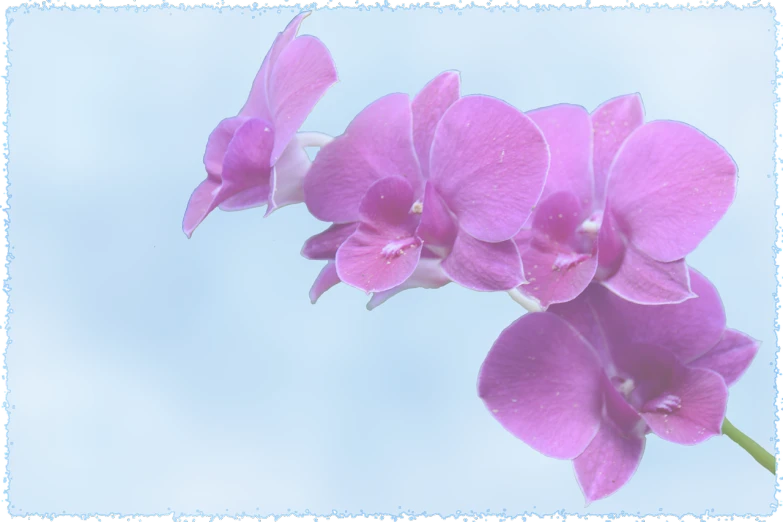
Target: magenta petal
point(428, 108)
point(257, 104)
point(287, 181)
point(569, 134)
point(325, 244)
point(643, 280)
point(612, 123)
point(559, 262)
point(325, 280)
point(428, 274)
point(489, 163)
point(542, 382)
point(384, 251)
point(612, 457)
point(483, 266)
point(691, 409)
point(437, 227)
point(668, 187)
point(688, 329)
point(302, 74)
point(730, 357)
point(218, 143)
point(378, 143)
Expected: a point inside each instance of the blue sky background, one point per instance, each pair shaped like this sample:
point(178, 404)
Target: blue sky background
point(151, 373)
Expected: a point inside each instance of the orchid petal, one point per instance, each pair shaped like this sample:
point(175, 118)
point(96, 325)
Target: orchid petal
point(378, 143)
point(559, 263)
point(486, 267)
point(325, 280)
point(437, 227)
point(688, 329)
point(428, 108)
point(325, 244)
point(245, 166)
point(568, 133)
point(668, 187)
point(613, 122)
point(217, 143)
point(691, 411)
point(614, 454)
point(643, 280)
point(384, 251)
point(428, 274)
point(488, 162)
point(302, 74)
point(680, 404)
point(730, 357)
point(542, 382)
point(257, 104)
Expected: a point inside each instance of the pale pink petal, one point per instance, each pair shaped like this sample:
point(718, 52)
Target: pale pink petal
point(218, 143)
point(245, 166)
point(668, 187)
point(612, 122)
point(257, 104)
point(644, 280)
point(569, 134)
point(325, 244)
point(488, 162)
point(325, 280)
point(302, 74)
point(288, 174)
point(688, 329)
point(437, 228)
point(384, 250)
point(428, 108)
point(378, 143)
point(542, 382)
point(479, 265)
point(559, 262)
point(428, 274)
point(614, 454)
point(730, 357)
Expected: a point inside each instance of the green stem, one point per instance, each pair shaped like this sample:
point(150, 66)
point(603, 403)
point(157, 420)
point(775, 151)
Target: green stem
point(761, 455)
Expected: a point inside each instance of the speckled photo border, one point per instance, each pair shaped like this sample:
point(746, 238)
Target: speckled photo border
point(690, 4)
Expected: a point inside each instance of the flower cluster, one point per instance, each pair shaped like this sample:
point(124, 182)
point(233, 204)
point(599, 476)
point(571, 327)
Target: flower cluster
point(584, 218)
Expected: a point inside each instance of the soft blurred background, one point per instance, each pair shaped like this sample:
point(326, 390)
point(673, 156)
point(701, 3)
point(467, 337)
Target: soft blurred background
point(150, 373)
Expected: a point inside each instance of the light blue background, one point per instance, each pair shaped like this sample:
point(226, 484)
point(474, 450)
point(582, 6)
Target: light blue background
point(151, 373)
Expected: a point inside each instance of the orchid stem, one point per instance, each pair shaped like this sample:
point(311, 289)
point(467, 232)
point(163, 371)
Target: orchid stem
point(528, 304)
point(761, 455)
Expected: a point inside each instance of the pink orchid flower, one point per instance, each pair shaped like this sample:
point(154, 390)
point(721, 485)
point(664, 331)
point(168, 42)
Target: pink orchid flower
point(257, 158)
point(589, 379)
point(426, 192)
point(624, 203)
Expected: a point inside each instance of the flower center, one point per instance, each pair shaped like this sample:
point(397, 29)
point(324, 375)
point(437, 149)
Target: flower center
point(417, 208)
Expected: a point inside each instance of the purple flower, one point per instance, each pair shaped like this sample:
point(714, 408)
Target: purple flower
point(426, 191)
point(589, 379)
point(256, 157)
point(624, 203)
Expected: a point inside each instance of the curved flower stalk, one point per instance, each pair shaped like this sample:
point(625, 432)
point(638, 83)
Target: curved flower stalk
point(589, 379)
point(624, 203)
point(423, 192)
point(257, 158)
